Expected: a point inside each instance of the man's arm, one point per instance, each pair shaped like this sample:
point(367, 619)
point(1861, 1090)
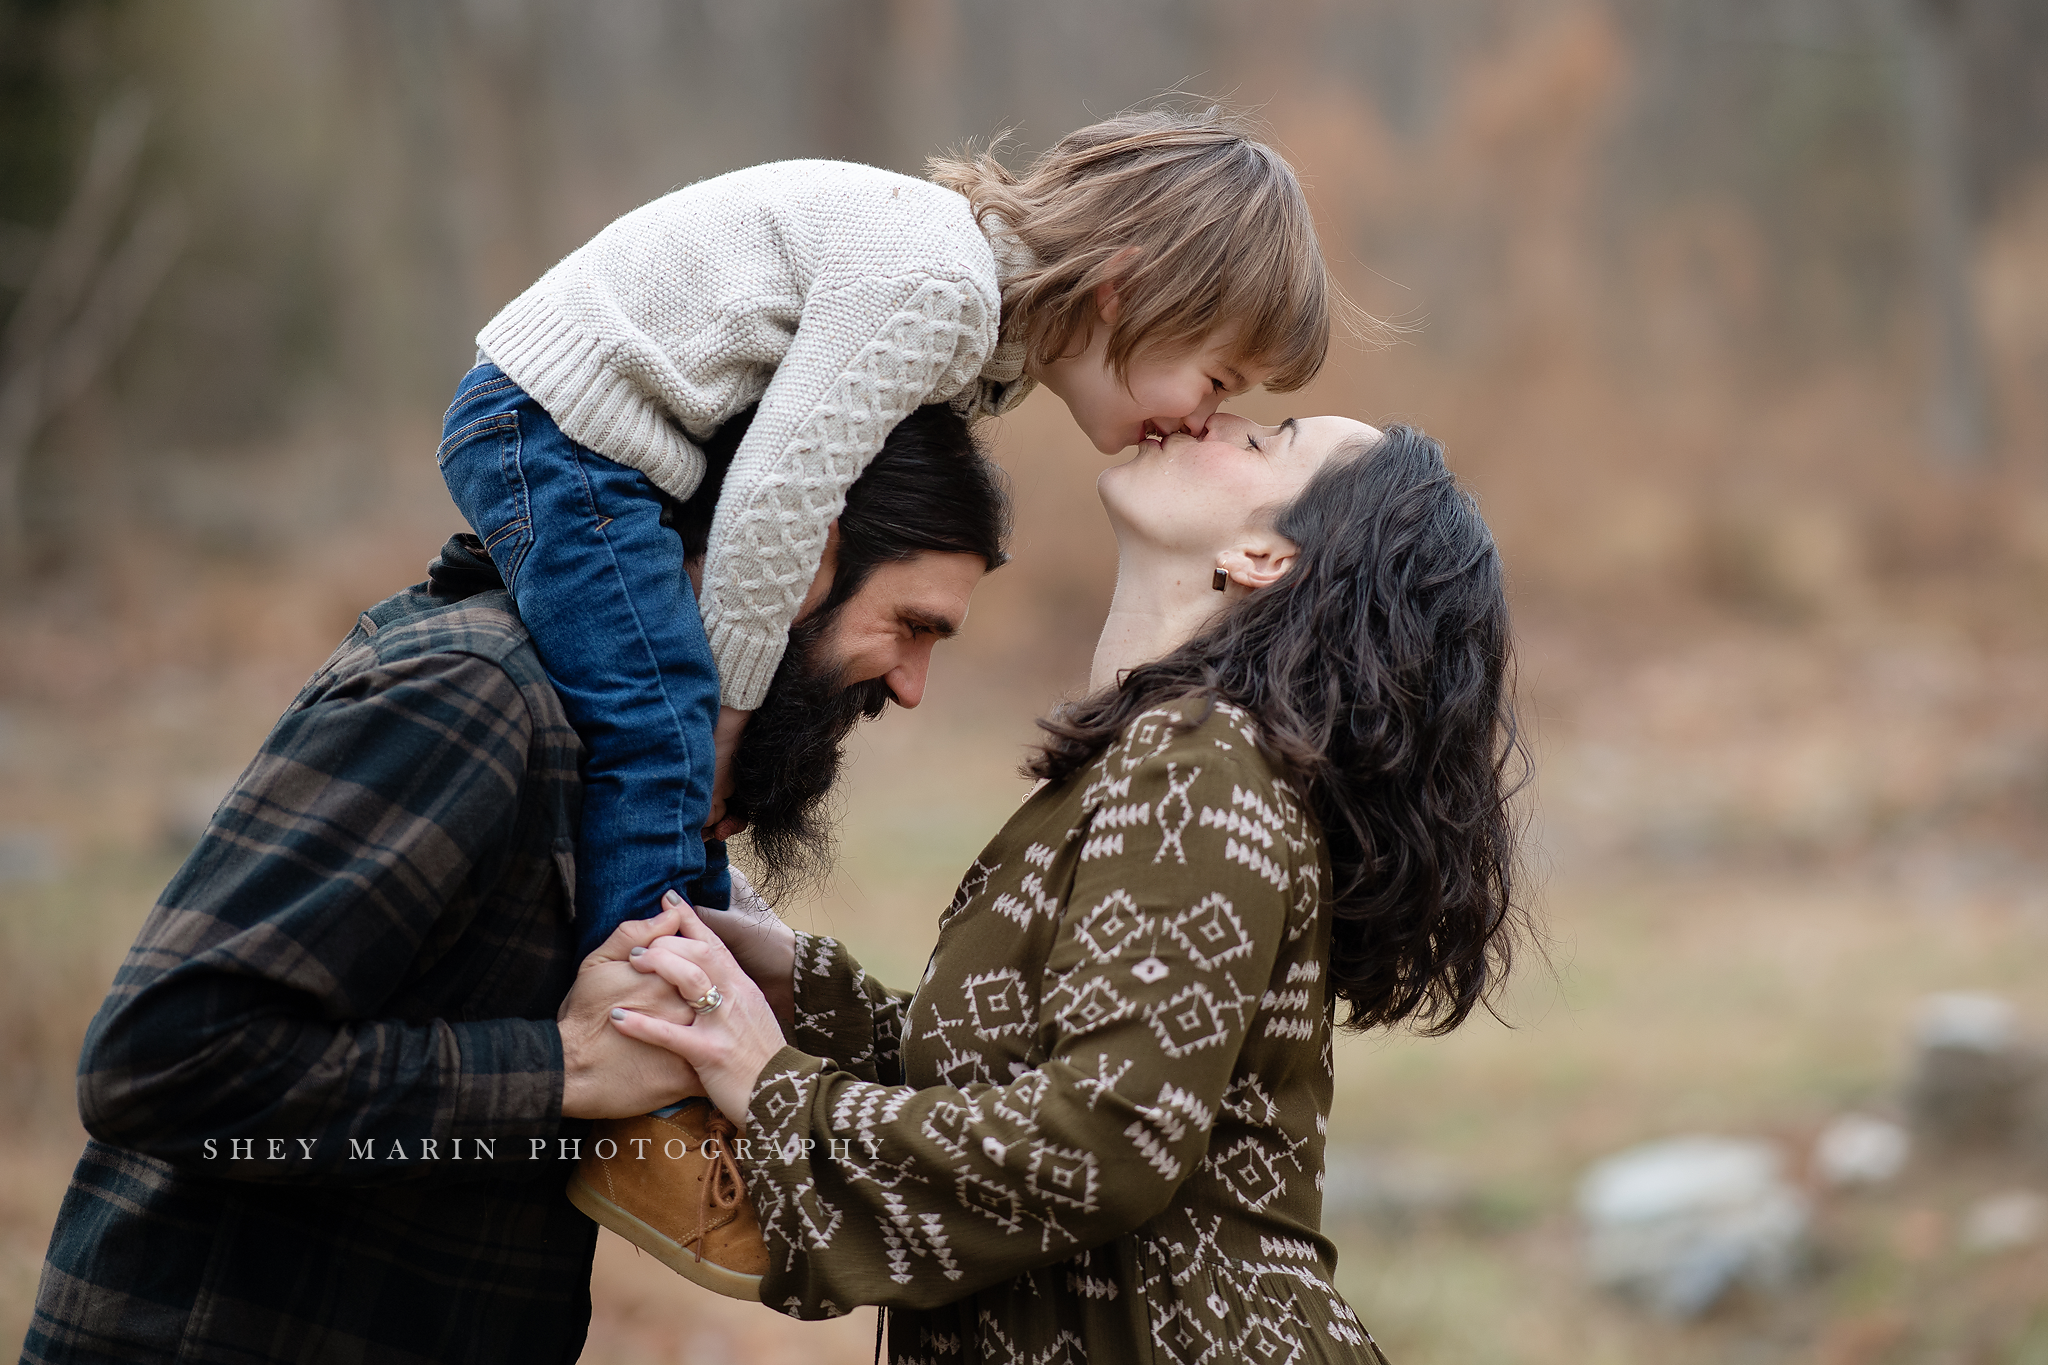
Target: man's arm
point(257, 1002)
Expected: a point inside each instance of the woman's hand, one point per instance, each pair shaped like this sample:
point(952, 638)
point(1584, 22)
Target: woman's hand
point(605, 1074)
point(726, 1045)
point(760, 942)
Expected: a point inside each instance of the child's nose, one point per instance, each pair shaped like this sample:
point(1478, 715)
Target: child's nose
point(1197, 422)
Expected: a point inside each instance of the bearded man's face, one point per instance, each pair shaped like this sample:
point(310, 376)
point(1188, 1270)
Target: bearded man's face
point(880, 635)
point(790, 757)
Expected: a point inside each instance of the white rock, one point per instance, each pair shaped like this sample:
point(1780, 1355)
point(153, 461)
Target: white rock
point(2000, 1222)
point(1678, 1223)
point(1859, 1149)
point(1973, 1076)
point(1965, 1019)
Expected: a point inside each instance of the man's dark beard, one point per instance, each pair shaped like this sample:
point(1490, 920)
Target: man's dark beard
point(789, 759)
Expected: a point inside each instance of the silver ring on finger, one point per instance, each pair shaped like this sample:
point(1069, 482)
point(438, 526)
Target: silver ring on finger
point(709, 1001)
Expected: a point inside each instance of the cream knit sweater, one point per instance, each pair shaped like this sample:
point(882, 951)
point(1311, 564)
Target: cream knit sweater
point(840, 297)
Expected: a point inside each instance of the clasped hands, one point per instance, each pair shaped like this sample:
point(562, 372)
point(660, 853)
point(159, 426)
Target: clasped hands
point(632, 1042)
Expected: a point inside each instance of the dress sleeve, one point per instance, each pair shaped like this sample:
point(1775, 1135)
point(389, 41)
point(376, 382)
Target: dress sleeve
point(866, 354)
point(256, 1001)
point(844, 1015)
point(870, 1193)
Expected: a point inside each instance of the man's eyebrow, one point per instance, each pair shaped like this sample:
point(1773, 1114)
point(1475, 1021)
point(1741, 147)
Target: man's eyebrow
point(945, 627)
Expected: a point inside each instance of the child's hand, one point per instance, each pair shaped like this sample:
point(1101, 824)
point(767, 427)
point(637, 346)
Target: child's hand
point(726, 741)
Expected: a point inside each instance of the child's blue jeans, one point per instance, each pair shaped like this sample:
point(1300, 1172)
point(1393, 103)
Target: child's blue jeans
point(599, 583)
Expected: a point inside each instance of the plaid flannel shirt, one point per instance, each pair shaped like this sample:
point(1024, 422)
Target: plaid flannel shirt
point(350, 983)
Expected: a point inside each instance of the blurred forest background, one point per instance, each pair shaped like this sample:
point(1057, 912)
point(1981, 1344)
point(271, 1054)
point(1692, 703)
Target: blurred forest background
point(1735, 315)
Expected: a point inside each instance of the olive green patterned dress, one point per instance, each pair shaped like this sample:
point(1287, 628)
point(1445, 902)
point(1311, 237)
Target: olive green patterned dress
point(1095, 1131)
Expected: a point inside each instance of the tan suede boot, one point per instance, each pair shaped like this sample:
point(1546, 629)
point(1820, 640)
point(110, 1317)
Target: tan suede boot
point(671, 1187)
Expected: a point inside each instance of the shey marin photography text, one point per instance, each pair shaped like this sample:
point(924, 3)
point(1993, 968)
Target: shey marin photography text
point(537, 1149)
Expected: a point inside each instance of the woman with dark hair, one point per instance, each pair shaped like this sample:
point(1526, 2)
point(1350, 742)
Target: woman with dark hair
point(1095, 1130)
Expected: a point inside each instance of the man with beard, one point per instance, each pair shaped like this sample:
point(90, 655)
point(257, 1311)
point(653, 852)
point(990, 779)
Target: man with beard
point(342, 1076)
point(915, 530)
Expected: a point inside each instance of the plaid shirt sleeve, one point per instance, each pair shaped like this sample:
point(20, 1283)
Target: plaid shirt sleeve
point(285, 984)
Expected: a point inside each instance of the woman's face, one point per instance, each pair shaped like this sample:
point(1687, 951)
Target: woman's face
point(1195, 494)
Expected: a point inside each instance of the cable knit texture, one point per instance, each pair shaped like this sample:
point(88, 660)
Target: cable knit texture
point(839, 297)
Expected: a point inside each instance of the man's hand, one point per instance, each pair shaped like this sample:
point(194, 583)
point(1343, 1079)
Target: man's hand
point(725, 741)
point(759, 941)
point(605, 1074)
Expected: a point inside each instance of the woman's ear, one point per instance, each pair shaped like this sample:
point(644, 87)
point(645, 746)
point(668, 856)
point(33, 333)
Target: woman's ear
point(1262, 560)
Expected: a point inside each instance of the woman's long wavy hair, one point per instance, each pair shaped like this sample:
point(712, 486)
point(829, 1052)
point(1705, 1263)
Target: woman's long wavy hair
point(1379, 672)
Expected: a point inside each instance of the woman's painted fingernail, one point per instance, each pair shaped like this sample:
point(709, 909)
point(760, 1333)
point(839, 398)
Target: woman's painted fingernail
point(671, 900)
point(636, 952)
point(618, 1014)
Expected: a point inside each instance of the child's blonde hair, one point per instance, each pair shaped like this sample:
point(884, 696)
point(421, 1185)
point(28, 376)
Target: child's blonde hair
point(1197, 225)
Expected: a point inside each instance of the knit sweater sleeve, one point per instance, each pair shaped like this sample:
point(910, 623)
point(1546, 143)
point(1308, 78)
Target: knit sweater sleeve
point(867, 353)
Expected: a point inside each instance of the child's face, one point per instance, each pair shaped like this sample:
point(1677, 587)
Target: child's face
point(1165, 395)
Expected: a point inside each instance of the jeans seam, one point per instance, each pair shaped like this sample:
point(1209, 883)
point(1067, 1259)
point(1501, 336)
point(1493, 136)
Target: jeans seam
point(475, 426)
point(498, 537)
point(653, 655)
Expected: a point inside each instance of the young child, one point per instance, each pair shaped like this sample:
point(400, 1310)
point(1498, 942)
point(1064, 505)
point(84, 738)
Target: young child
point(1143, 269)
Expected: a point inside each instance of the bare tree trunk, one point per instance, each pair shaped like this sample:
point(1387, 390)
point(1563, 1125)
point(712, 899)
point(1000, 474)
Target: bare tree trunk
point(1958, 424)
point(82, 302)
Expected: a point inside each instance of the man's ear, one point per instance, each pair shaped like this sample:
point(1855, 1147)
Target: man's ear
point(1259, 561)
point(821, 581)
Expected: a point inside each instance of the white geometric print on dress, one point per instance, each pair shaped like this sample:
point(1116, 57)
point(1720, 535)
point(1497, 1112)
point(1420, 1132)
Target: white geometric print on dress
point(1106, 829)
point(1247, 1101)
point(996, 1347)
point(963, 1064)
point(1210, 933)
point(1167, 1121)
point(816, 1216)
point(1178, 785)
point(1250, 1172)
point(1112, 926)
point(1103, 1082)
point(998, 1003)
point(1095, 1004)
point(1064, 1175)
point(1021, 910)
point(1018, 1104)
point(1191, 1020)
point(1267, 1343)
point(971, 885)
point(949, 1125)
point(1251, 818)
point(1251, 857)
point(998, 1201)
point(922, 1236)
point(1182, 1336)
